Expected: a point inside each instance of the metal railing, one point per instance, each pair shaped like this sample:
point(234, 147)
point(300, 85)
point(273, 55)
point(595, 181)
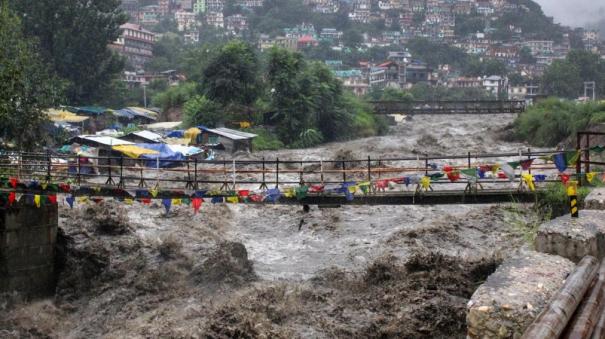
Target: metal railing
point(193, 173)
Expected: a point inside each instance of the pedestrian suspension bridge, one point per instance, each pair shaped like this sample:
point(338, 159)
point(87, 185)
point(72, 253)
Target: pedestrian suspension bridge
point(421, 179)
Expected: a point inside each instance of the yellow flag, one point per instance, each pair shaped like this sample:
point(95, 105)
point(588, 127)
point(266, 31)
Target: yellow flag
point(290, 192)
point(82, 200)
point(128, 201)
point(176, 201)
point(353, 189)
point(97, 189)
point(37, 200)
point(495, 168)
point(590, 176)
point(154, 192)
point(529, 180)
point(425, 182)
point(233, 200)
point(44, 185)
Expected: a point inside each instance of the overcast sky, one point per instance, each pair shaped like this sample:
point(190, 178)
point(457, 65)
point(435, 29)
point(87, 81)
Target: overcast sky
point(574, 12)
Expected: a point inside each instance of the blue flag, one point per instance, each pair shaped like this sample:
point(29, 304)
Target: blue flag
point(560, 161)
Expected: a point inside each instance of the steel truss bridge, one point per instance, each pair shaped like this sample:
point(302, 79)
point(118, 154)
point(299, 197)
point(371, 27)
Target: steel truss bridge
point(370, 181)
point(449, 107)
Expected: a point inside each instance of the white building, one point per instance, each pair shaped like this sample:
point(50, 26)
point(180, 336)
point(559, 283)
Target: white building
point(185, 21)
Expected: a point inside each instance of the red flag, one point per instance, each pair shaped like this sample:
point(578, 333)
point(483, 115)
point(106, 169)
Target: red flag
point(146, 201)
point(453, 176)
point(526, 164)
point(52, 199)
point(65, 188)
point(13, 182)
point(317, 188)
point(565, 178)
point(256, 198)
point(243, 193)
point(11, 198)
point(197, 203)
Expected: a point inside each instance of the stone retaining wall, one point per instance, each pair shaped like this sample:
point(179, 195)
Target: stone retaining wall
point(27, 249)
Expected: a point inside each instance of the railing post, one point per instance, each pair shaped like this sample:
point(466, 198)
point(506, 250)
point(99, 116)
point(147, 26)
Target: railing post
point(579, 161)
point(121, 183)
point(469, 159)
point(529, 157)
point(277, 173)
point(369, 169)
point(195, 186)
point(426, 164)
point(344, 172)
point(78, 176)
point(48, 166)
point(587, 155)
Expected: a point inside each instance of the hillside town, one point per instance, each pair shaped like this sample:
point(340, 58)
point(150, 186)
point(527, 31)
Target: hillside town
point(472, 26)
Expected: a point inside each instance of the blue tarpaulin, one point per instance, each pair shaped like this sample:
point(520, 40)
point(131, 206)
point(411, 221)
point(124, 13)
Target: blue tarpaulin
point(167, 157)
point(176, 134)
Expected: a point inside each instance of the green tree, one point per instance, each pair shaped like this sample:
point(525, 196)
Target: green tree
point(200, 110)
point(73, 38)
point(525, 56)
point(562, 79)
point(26, 88)
point(231, 77)
point(290, 93)
point(565, 77)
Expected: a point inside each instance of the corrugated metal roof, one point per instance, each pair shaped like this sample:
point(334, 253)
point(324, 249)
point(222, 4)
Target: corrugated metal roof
point(164, 125)
point(104, 140)
point(147, 135)
point(231, 133)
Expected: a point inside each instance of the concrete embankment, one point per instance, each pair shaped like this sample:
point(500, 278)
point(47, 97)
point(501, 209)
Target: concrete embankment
point(515, 294)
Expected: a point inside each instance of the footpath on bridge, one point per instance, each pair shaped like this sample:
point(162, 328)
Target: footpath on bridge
point(542, 291)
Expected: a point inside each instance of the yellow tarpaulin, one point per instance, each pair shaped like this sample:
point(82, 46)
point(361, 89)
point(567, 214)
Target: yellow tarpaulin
point(191, 135)
point(56, 115)
point(132, 151)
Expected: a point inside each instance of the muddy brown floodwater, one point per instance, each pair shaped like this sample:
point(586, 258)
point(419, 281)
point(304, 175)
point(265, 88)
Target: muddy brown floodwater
point(248, 271)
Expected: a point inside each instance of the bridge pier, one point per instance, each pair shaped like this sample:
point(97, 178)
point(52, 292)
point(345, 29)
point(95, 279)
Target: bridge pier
point(27, 248)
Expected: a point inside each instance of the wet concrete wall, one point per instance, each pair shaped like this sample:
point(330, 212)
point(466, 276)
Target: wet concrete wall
point(27, 248)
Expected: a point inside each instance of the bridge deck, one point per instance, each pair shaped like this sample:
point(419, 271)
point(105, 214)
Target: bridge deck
point(449, 107)
point(373, 182)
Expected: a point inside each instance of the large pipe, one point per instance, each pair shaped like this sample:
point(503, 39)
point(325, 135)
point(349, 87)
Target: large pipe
point(554, 318)
point(587, 315)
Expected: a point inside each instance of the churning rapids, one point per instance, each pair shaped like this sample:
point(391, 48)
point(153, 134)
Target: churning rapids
point(249, 271)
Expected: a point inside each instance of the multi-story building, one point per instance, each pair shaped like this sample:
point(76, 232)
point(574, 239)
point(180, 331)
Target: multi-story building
point(185, 21)
point(251, 3)
point(199, 6)
point(136, 44)
point(215, 19)
point(131, 7)
point(539, 46)
point(591, 40)
point(361, 11)
point(353, 80)
point(164, 7)
point(331, 35)
point(215, 5)
point(185, 5)
point(265, 42)
point(149, 15)
point(300, 30)
point(236, 23)
point(495, 84)
point(464, 82)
